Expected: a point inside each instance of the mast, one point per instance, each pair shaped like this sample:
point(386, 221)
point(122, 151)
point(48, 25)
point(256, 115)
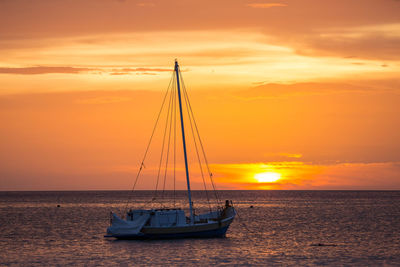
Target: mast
point(184, 142)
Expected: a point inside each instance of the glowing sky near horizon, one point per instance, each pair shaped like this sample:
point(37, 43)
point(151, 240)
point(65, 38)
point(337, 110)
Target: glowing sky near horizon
point(309, 90)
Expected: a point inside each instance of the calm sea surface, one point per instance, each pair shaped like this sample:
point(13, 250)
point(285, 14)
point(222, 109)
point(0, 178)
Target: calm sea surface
point(336, 228)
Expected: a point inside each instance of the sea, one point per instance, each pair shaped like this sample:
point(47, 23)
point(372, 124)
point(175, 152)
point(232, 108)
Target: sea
point(272, 228)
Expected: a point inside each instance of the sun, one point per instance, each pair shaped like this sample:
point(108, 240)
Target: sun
point(267, 177)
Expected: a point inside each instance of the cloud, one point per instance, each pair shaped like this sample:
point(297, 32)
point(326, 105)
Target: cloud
point(144, 70)
point(379, 41)
point(291, 155)
point(282, 156)
point(273, 90)
point(140, 71)
point(373, 45)
point(77, 70)
point(103, 100)
point(119, 73)
point(266, 5)
point(44, 70)
point(143, 4)
point(228, 53)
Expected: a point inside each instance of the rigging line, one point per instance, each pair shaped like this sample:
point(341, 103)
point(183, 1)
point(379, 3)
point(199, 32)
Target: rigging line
point(202, 147)
point(149, 143)
point(195, 145)
point(162, 149)
point(242, 222)
point(205, 158)
point(169, 119)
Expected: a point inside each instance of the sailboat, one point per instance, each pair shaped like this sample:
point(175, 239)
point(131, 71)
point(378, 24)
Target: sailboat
point(172, 222)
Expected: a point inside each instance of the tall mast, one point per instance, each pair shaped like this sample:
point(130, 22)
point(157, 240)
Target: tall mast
point(184, 142)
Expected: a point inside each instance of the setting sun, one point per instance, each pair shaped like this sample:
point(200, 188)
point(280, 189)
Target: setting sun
point(267, 177)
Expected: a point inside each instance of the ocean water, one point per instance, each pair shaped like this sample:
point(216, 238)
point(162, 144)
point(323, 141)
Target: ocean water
point(289, 228)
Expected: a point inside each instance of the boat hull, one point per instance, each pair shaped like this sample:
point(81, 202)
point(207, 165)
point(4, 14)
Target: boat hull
point(217, 229)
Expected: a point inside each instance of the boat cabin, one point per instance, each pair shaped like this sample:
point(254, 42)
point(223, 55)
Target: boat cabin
point(160, 217)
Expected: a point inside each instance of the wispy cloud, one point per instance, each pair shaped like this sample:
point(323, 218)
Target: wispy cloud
point(282, 156)
point(376, 42)
point(291, 155)
point(272, 90)
point(102, 100)
point(119, 73)
point(44, 70)
point(139, 71)
point(144, 70)
point(77, 70)
point(266, 5)
point(144, 4)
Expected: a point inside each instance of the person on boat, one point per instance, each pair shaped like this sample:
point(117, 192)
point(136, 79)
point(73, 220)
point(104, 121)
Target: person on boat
point(224, 212)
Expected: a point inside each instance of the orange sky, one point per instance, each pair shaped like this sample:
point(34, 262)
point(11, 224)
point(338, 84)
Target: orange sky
point(307, 89)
